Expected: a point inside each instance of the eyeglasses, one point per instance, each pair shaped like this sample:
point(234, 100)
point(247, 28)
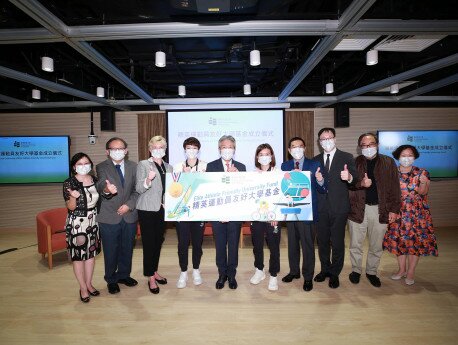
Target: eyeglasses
point(324, 139)
point(368, 145)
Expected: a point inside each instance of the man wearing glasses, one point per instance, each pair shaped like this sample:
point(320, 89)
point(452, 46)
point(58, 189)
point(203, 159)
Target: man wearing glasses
point(117, 216)
point(333, 207)
point(375, 201)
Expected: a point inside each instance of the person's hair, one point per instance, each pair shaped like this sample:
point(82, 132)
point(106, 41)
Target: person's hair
point(107, 145)
point(259, 149)
point(157, 139)
point(294, 139)
point(76, 157)
point(191, 141)
point(226, 137)
point(326, 129)
point(367, 135)
point(397, 153)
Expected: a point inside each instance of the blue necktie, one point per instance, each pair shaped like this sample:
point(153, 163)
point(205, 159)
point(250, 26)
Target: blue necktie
point(121, 176)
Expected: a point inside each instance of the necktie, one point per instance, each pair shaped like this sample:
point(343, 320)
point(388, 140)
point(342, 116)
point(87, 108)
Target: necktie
point(326, 165)
point(227, 166)
point(121, 176)
point(297, 165)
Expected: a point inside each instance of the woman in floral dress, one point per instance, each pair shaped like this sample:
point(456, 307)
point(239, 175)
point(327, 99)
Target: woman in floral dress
point(412, 234)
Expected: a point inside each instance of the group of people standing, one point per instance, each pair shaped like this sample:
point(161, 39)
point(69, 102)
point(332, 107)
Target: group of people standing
point(386, 203)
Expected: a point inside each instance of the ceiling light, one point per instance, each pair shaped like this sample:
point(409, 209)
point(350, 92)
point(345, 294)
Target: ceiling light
point(36, 94)
point(181, 90)
point(255, 57)
point(100, 92)
point(394, 89)
point(329, 88)
point(247, 89)
point(372, 57)
point(47, 64)
point(160, 59)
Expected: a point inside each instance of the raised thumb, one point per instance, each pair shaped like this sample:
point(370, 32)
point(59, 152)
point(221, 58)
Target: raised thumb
point(345, 167)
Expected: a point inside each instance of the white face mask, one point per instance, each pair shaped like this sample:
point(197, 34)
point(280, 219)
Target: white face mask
point(227, 154)
point(264, 160)
point(191, 153)
point(158, 153)
point(297, 153)
point(369, 152)
point(117, 155)
point(406, 161)
point(328, 144)
point(83, 169)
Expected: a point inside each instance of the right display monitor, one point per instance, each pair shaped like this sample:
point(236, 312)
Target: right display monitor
point(438, 149)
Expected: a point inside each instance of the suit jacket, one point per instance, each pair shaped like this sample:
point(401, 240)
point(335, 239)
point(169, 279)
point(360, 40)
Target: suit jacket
point(336, 199)
point(150, 198)
point(309, 165)
point(126, 195)
point(217, 166)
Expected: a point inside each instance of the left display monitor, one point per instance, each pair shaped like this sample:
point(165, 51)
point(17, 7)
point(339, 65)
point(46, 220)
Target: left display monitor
point(34, 159)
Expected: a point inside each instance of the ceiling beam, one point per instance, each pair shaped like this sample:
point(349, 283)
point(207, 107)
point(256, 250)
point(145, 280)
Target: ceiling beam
point(12, 100)
point(415, 72)
point(257, 100)
point(43, 16)
point(430, 87)
point(55, 87)
point(404, 27)
point(350, 16)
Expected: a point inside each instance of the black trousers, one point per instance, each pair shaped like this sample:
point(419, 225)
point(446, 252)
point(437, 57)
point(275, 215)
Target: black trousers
point(300, 235)
point(331, 236)
point(259, 231)
point(227, 236)
point(190, 232)
point(152, 228)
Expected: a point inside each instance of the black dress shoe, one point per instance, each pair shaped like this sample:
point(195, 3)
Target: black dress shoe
point(162, 281)
point(153, 290)
point(94, 293)
point(354, 277)
point(220, 282)
point(84, 299)
point(321, 277)
point(308, 285)
point(113, 288)
point(334, 282)
point(232, 283)
point(289, 277)
point(374, 280)
point(128, 281)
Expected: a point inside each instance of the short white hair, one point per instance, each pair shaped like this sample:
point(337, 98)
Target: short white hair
point(157, 139)
point(226, 137)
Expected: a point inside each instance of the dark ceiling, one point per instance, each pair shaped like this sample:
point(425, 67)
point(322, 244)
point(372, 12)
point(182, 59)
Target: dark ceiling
point(304, 44)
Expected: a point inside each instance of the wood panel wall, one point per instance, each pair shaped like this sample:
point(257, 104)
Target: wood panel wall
point(150, 125)
point(299, 123)
point(19, 204)
point(442, 194)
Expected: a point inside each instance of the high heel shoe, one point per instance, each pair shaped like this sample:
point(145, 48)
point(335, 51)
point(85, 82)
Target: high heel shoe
point(162, 281)
point(84, 299)
point(94, 293)
point(153, 290)
point(398, 276)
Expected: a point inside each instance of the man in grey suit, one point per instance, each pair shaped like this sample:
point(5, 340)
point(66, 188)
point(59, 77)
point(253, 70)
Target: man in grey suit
point(117, 217)
point(333, 206)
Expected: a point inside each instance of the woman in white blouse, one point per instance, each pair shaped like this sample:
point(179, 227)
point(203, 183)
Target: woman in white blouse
point(190, 231)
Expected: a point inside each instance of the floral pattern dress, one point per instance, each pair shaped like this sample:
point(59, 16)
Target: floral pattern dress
point(412, 233)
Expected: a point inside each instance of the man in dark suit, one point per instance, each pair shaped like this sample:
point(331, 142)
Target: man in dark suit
point(117, 217)
point(333, 207)
point(226, 234)
point(300, 233)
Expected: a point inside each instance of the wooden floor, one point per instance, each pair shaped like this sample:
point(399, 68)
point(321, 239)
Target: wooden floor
point(41, 306)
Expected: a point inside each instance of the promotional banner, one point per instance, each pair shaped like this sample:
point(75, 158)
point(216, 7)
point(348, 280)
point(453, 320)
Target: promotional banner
point(240, 196)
